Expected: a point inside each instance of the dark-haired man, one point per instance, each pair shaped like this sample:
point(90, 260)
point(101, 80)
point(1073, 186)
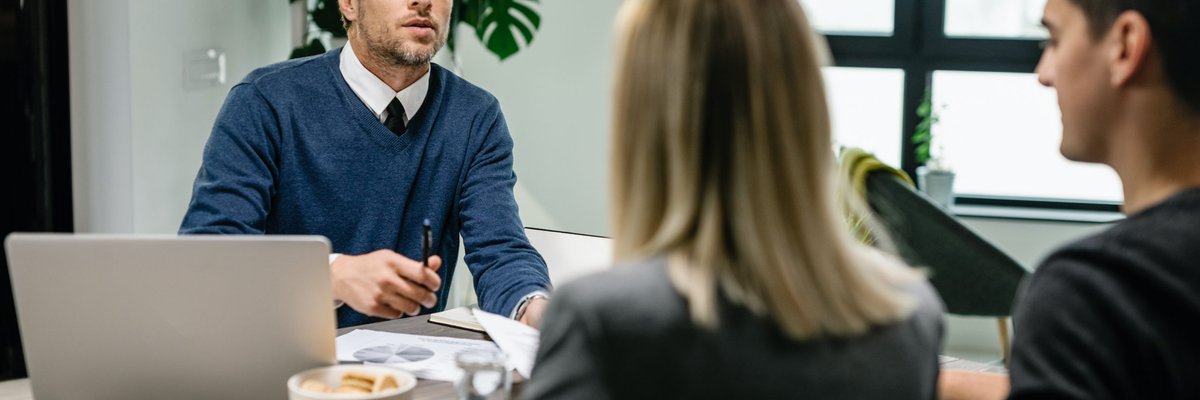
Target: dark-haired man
point(1117, 315)
point(362, 145)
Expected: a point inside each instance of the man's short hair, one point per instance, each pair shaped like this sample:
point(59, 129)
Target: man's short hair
point(345, 23)
point(1175, 25)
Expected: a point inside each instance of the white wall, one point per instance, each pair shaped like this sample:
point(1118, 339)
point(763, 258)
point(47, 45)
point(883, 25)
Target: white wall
point(101, 159)
point(1030, 241)
point(137, 132)
point(555, 95)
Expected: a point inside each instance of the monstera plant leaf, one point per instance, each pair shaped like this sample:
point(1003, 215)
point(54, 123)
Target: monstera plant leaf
point(465, 12)
point(328, 17)
point(315, 47)
point(497, 23)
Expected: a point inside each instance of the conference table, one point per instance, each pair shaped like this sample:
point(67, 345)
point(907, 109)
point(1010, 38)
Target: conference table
point(426, 389)
point(430, 389)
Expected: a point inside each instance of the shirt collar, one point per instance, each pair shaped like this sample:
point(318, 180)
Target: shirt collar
point(374, 92)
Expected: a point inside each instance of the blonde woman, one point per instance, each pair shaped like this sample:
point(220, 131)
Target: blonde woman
point(739, 278)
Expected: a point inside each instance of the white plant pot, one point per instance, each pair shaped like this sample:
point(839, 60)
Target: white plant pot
point(937, 184)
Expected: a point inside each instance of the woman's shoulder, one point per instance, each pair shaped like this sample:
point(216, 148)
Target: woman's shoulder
point(911, 281)
point(925, 323)
point(638, 291)
point(619, 283)
point(926, 307)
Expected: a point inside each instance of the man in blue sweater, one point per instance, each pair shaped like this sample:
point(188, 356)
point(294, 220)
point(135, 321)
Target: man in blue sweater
point(361, 145)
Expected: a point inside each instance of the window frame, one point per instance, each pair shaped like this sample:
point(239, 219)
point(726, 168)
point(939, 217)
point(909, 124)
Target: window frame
point(919, 46)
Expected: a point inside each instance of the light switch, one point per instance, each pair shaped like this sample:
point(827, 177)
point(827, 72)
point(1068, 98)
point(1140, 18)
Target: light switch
point(203, 68)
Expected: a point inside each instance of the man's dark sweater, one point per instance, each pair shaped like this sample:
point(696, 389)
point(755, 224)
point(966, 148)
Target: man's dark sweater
point(1116, 315)
point(294, 151)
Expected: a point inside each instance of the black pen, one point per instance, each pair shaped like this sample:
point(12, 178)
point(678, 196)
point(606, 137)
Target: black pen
point(426, 243)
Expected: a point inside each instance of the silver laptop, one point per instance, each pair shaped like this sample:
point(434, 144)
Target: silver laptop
point(165, 317)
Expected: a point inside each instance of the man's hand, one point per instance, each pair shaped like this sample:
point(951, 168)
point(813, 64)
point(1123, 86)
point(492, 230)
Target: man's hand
point(533, 313)
point(385, 284)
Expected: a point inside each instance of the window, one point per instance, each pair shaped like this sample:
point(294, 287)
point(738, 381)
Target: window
point(995, 19)
point(857, 17)
point(1000, 133)
point(878, 92)
point(999, 128)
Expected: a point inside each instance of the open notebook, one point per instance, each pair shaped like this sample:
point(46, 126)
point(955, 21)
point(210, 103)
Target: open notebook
point(459, 317)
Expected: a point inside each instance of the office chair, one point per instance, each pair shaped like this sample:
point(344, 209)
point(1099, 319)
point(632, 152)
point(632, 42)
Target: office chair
point(972, 275)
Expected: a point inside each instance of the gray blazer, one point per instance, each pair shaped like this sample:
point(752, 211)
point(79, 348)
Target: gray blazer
point(626, 333)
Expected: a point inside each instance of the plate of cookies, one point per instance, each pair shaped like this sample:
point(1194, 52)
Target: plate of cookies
point(351, 382)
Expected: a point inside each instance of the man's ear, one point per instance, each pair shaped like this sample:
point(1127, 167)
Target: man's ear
point(1131, 38)
point(348, 9)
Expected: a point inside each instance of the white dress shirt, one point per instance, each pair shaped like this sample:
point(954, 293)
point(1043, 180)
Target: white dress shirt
point(375, 93)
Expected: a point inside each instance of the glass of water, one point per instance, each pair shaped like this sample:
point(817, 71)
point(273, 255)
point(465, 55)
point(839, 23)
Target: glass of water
point(484, 375)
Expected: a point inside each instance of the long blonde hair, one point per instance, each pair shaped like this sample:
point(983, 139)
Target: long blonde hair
point(722, 162)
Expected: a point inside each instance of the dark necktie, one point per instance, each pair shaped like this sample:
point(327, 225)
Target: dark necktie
point(396, 120)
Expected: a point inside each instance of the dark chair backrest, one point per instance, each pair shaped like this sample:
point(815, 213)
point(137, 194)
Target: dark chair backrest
point(972, 275)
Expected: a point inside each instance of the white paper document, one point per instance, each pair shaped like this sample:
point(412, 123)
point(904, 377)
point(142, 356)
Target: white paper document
point(518, 341)
point(428, 357)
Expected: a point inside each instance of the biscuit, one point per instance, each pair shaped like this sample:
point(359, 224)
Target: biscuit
point(361, 381)
point(359, 376)
point(386, 382)
point(354, 382)
point(314, 385)
point(352, 389)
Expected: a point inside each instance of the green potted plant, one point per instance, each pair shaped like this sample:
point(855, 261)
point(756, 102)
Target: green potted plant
point(503, 26)
point(934, 176)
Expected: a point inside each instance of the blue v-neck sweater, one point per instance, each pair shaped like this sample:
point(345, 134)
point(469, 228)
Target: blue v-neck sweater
point(294, 151)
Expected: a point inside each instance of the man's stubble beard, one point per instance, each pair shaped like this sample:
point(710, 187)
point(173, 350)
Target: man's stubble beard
point(392, 50)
